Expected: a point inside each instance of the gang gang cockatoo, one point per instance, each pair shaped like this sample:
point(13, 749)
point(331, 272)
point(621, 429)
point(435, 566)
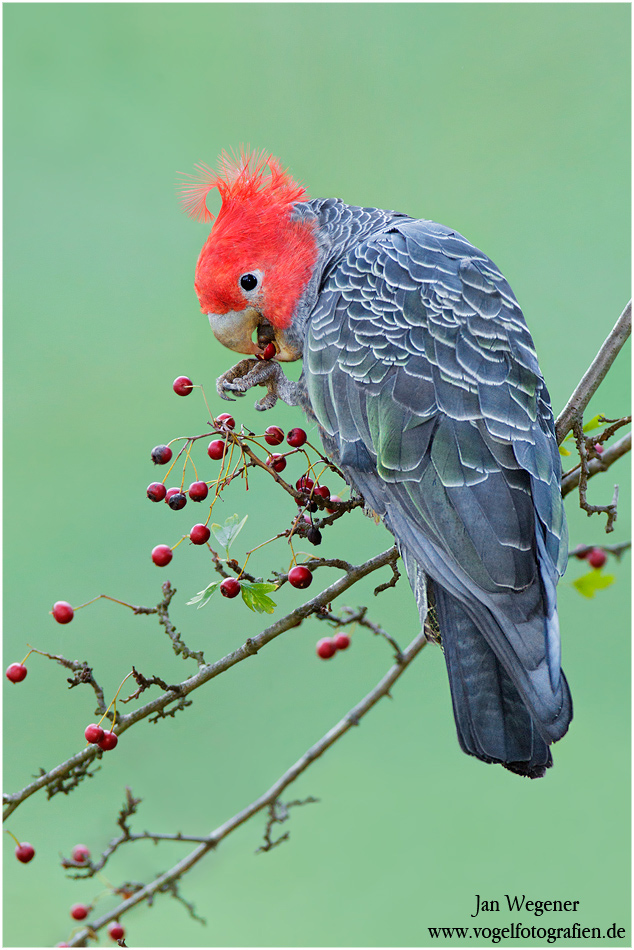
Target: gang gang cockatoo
point(422, 378)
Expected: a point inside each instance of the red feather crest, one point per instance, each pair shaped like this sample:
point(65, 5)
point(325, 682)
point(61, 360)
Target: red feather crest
point(240, 177)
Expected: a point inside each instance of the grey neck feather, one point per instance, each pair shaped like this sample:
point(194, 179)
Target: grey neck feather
point(339, 227)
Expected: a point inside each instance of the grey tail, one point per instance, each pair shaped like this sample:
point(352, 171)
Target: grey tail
point(492, 720)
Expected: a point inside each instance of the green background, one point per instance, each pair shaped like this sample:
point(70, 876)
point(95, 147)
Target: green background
point(509, 123)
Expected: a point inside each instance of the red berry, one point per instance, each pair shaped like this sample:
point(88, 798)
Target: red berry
point(63, 612)
point(341, 641)
point(322, 491)
point(597, 557)
point(182, 386)
point(25, 852)
point(161, 454)
point(79, 911)
point(62, 945)
point(269, 351)
point(199, 534)
point(326, 648)
point(116, 931)
point(300, 577)
point(108, 742)
point(274, 435)
point(277, 462)
point(305, 483)
point(80, 854)
point(198, 491)
point(170, 494)
point(337, 500)
point(156, 491)
point(227, 420)
point(296, 438)
point(598, 448)
point(177, 500)
point(581, 553)
point(162, 555)
point(16, 672)
point(230, 587)
point(94, 733)
point(216, 449)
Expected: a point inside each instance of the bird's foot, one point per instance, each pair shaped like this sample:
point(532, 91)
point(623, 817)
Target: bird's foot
point(248, 373)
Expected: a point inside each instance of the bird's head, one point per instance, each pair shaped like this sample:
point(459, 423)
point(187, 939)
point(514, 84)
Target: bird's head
point(257, 261)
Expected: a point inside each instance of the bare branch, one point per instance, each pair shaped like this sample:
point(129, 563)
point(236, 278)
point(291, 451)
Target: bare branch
point(595, 374)
point(165, 881)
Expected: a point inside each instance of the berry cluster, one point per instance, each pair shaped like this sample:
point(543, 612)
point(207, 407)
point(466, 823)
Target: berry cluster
point(96, 736)
point(328, 646)
point(236, 453)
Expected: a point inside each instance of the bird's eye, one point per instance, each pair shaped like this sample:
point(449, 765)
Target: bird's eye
point(248, 282)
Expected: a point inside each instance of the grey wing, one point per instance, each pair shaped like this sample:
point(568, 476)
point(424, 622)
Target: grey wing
point(420, 366)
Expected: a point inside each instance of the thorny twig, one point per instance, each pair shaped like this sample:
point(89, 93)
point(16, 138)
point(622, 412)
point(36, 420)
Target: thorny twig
point(278, 813)
point(180, 647)
point(611, 509)
point(596, 465)
point(90, 868)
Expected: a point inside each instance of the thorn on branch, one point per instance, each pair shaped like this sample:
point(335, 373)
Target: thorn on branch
point(66, 783)
point(278, 814)
point(611, 509)
point(128, 809)
point(166, 713)
point(178, 644)
point(172, 889)
point(144, 683)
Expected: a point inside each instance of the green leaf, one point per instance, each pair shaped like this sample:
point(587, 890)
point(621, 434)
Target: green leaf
point(594, 423)
point(254, 596)
point(227, 533)
point(589, 584)
point(204, 595)
point(563, 451)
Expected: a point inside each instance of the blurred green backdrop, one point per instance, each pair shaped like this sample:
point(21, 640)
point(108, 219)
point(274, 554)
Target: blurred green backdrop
point(507, 122)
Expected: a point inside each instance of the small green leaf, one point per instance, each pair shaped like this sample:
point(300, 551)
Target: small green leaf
point(594, 423)
point(255, 596)
point(204, 595)
point(563, 451)
point(227, 533)
point(589, 584)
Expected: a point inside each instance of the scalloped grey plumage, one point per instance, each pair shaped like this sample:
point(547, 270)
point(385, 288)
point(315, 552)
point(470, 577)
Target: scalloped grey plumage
point(423, 378)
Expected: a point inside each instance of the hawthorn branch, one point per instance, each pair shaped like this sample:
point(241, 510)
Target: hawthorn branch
point(611, 509)
point(208, 672)
point(570, 481)
point(595, 374)
point(164, 883)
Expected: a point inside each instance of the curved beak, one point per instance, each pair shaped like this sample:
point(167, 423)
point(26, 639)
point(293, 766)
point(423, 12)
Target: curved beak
point(236, 329)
